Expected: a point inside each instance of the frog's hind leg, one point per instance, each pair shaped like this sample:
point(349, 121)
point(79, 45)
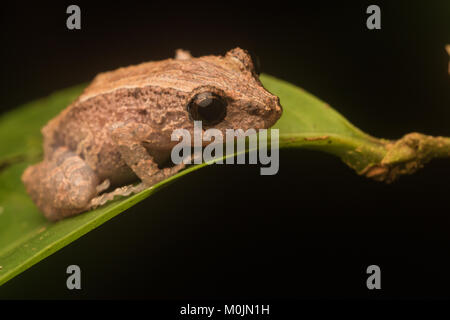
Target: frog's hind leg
point(62, 186)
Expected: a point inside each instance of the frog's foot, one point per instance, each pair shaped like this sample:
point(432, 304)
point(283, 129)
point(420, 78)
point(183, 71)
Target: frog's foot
point(181, 54)
point(121, 191)
point(63, 186)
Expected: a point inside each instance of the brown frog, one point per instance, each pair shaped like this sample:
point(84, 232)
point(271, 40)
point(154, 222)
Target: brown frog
point(119, 129)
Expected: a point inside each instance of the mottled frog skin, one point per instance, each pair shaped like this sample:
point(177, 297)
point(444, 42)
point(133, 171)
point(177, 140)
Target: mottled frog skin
point(118, 131)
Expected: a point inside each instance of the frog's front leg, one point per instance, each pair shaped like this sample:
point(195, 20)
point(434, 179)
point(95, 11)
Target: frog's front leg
point(129, 139)
point(63, 185)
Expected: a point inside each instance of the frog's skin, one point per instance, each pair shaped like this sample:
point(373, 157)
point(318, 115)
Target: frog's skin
point(119, 129)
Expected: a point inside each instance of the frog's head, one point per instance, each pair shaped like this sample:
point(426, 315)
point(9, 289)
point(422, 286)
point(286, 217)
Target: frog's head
point(230, 95)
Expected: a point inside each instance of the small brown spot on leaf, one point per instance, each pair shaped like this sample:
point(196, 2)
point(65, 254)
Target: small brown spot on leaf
point(316, 138)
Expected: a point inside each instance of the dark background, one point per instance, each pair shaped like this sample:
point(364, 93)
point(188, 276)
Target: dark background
point(225, 232)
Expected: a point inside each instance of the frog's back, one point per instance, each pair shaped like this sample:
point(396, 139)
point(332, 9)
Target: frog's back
point(95, 107)
point(98, 102)
point(126, 77)
point(182, 75)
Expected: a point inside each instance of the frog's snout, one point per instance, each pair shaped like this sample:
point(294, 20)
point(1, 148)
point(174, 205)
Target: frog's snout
point(275, 111)
point(278, 110)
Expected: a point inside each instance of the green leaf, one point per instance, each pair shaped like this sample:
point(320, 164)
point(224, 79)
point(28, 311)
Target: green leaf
point(26, 237)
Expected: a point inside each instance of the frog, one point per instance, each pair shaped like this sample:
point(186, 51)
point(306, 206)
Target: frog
point(115, 138)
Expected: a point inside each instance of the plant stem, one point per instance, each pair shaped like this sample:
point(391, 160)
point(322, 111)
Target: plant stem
point(379, 159)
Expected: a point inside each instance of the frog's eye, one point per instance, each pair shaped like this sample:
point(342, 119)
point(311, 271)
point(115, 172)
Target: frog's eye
point(207, 107)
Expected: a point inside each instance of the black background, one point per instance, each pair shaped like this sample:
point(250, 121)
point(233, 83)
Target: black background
point(225, 232)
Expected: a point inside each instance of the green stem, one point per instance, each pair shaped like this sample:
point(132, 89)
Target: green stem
point(379, 159)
